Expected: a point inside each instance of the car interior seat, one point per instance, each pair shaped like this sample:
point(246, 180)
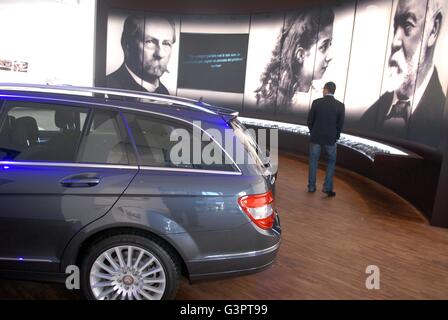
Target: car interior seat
point(63, 145)
point(153, 140)
point(104, 143)
point(25, 133)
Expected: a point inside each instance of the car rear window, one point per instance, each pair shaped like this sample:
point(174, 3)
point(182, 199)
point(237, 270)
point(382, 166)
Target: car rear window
point(247, 138)
point(106, 140)
point(152, 138)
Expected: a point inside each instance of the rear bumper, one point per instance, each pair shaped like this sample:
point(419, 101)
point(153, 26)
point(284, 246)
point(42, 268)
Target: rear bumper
point(228, 265)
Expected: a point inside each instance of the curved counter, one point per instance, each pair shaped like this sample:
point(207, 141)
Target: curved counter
point(413, 176)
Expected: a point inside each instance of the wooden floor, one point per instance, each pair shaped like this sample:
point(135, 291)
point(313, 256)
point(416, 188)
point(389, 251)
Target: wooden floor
point(327, 245)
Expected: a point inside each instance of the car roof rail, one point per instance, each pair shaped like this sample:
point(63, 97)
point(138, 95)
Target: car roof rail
point(112, 94)
point(218, 110)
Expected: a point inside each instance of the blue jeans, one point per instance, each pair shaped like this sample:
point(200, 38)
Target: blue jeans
point(330, 151)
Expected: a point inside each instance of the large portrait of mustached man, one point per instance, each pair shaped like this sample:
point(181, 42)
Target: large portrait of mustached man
point(412, 107)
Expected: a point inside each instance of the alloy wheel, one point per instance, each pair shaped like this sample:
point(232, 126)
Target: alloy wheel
point(127, 273)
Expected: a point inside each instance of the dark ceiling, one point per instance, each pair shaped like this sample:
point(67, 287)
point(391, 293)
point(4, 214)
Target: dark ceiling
point(215, 6)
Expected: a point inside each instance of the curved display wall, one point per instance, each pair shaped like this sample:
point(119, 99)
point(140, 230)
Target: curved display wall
point(385, 56)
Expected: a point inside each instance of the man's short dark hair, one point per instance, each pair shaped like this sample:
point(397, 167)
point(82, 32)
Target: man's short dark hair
point(331, 87)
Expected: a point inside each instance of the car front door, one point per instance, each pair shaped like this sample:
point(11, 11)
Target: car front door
point(61, 167)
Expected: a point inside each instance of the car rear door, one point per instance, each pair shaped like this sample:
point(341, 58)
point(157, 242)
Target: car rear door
point(61, 167)
point(175, 191)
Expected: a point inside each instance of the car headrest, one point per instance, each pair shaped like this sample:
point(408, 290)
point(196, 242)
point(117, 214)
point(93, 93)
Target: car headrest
point(10, 121)
point(66, 119)
point(25, 132)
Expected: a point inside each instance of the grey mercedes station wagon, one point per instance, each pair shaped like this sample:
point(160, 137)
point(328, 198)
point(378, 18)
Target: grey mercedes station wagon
point(86, 181)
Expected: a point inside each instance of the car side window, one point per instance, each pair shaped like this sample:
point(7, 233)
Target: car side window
point(106, 140)
point(40, 132)
point(153, 138)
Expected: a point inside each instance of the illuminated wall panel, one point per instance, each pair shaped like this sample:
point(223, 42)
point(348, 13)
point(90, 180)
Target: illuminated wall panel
point(47, 41)
point(273, 66)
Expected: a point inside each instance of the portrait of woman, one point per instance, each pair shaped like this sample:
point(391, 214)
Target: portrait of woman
point(301, 55)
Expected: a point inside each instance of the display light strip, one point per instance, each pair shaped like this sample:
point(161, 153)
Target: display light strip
point(367, 147)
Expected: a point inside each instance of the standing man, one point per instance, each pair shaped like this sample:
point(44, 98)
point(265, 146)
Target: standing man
point(325, 121)
point(413, 106)
point(147, 43)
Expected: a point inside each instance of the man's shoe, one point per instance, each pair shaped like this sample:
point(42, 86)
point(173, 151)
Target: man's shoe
point(330, 193)
point(311, 190)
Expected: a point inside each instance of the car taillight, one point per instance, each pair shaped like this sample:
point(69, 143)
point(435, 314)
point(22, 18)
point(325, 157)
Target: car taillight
point(259, 208)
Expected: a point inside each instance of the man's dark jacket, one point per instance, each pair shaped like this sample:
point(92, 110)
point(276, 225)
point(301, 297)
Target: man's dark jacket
point(122, 79)
point(425, 124)
point(325, 120)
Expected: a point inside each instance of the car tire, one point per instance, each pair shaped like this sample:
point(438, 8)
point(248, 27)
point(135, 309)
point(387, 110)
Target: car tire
point(164, 259)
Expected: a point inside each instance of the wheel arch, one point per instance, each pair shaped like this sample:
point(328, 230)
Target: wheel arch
point(77, 248)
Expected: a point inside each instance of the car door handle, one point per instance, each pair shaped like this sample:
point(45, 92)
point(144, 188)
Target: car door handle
point(80, 182)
